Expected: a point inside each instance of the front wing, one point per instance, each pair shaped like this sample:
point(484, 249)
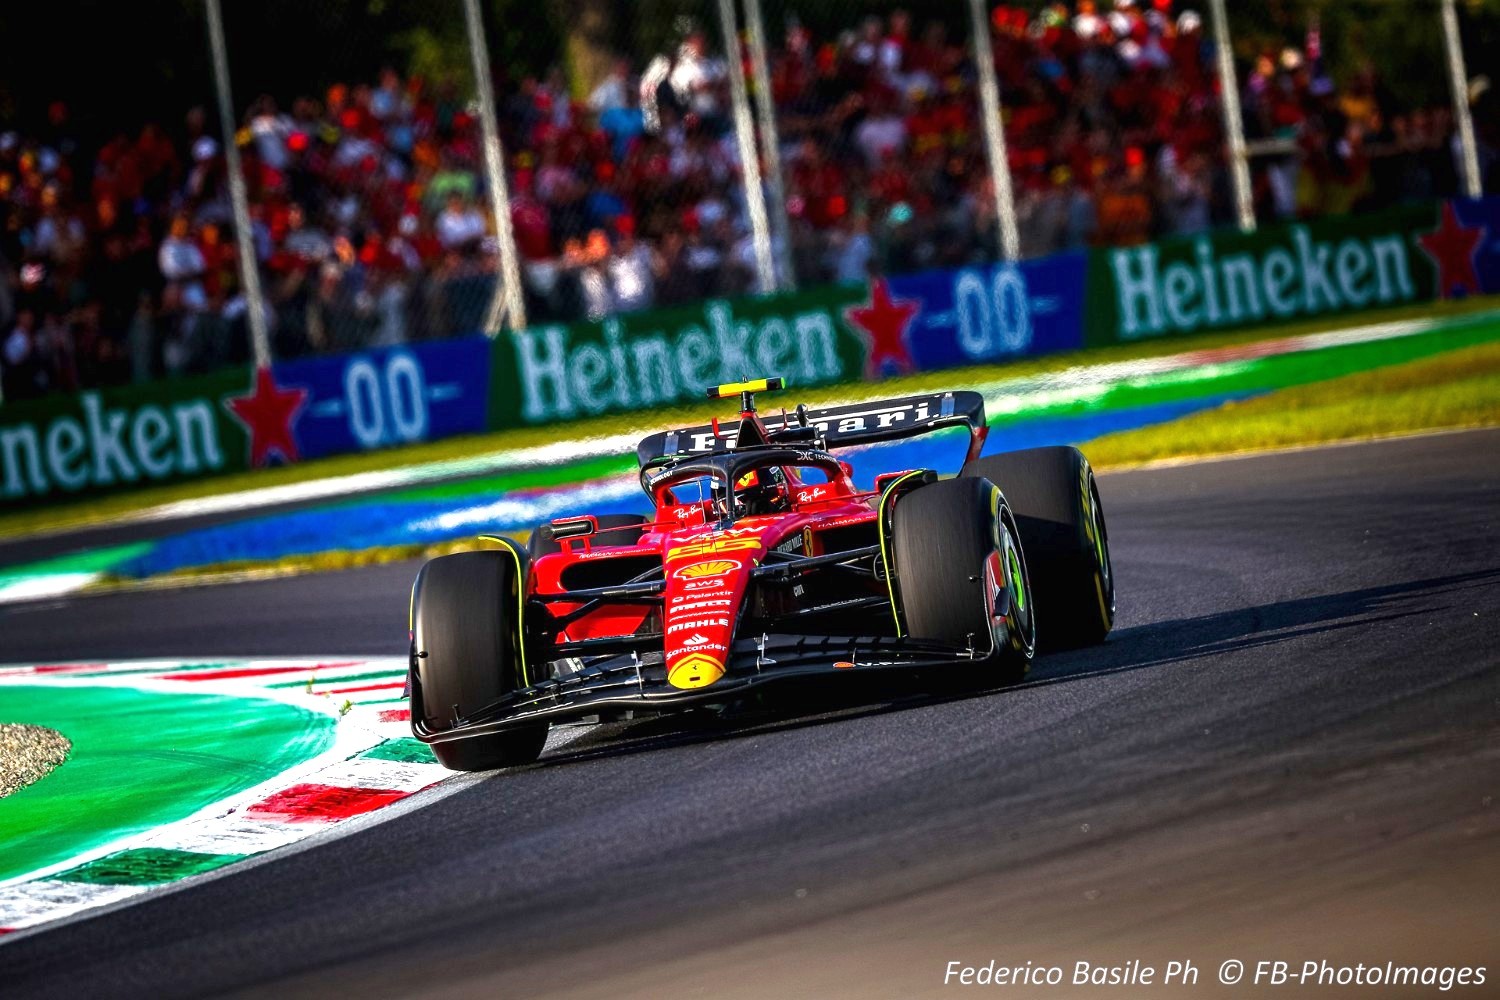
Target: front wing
point(635, 683)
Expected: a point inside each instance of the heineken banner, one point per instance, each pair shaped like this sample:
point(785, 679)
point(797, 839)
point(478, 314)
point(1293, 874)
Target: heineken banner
point(121, 438)
point(392, 396)
point(1276, 274)
point(667, 356)
point(993, 312)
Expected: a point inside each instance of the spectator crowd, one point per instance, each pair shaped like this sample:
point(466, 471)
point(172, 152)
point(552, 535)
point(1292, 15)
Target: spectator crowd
point(370, 225)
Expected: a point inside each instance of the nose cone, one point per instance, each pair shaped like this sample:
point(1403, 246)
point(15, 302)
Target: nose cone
point(696, 670)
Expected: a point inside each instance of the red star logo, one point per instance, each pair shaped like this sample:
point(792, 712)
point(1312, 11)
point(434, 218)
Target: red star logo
point(268, 413)
point(1451, 247)
point(883, 324)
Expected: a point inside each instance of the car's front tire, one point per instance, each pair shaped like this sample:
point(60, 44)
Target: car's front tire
point(1056, 504)
point(961, 575)
point(468, 651)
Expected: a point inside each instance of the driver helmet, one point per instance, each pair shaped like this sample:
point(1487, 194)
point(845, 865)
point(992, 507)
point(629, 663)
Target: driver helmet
point(762, 491)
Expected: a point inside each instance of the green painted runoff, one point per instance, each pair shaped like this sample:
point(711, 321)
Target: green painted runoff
point(141, 759)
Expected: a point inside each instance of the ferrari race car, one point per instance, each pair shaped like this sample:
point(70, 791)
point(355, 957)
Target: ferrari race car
point(762, 561)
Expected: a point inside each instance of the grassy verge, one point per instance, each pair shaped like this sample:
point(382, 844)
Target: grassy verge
point(81, 513)
point(1453, 390)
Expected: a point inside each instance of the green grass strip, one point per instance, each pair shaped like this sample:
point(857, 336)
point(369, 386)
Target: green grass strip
point(1276, 371)
point(1454, 390)
point(543, 477)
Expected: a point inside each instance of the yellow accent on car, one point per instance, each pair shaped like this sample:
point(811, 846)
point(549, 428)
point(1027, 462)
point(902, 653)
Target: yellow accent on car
point(890, 582)
point(696, 670)
point(709, 548)
point(510, 545)
point(754, 385)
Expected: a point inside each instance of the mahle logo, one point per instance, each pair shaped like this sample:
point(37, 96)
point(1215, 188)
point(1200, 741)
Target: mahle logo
point(560, 378)
point(1306, 278)
point(103, 446)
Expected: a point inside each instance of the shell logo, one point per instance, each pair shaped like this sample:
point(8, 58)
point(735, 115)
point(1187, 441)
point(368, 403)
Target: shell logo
point(695, 670)
point(710, 567)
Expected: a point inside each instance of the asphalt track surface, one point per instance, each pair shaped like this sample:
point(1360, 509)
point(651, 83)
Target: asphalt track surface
point(1287, 750)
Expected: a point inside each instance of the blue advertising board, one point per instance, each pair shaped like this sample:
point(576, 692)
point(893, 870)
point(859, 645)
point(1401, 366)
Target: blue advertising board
point(389, 396)
point(993, 312)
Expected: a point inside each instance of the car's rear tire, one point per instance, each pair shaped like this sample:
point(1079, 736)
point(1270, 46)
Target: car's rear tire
point(539, 544)
point(1056, 505)
point(961, 573)
point(467, 648)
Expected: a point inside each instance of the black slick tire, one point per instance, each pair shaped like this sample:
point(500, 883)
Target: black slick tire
point(961, 574)
point(467, 652)
point(1055, 500)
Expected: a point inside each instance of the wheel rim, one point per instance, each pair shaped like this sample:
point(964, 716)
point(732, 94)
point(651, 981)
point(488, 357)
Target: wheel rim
point(1021, 622)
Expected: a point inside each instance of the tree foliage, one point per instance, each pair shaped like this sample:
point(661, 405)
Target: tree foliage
point(1401, 39)
point(120, 64)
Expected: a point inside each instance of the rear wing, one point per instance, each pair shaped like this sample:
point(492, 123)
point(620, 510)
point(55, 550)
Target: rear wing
point(837, 426)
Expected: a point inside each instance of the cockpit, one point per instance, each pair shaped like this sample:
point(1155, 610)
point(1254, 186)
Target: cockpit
point(753, 483)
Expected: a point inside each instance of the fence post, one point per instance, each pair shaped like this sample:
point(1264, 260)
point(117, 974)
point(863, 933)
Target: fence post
point(260, 340)
point(1234, 124)
point(994, 131)
point(509, 297)
point(1458, 78)
point(765, 106)
point(744, 131)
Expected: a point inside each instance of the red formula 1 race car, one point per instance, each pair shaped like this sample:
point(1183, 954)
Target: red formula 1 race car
point(763, 561)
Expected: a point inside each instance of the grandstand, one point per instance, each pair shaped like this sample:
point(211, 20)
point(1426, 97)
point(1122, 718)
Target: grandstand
point(370, 225)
